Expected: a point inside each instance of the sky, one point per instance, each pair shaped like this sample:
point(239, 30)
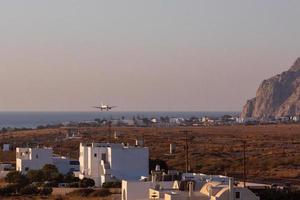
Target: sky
point(141, 55)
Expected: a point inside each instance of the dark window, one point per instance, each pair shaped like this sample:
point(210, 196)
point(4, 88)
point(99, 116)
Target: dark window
point(95, 155)
point(74, 162)
point(36, 156)
point(237, 195)
point(103, 157)
point(26, 169)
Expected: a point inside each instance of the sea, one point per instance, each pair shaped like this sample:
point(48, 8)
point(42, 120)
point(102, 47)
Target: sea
point(34, 119)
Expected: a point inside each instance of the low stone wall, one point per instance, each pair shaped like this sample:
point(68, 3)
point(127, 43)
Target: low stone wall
point(65, 191)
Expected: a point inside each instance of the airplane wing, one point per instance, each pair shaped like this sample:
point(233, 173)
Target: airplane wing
point(96, 107)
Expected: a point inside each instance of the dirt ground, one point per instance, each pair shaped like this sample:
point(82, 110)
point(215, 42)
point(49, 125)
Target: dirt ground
point(272, 151)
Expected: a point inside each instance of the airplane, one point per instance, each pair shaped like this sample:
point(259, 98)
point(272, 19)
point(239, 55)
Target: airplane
point(104, 107)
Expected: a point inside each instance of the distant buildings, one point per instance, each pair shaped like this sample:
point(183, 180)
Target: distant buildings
point(104, 162)
point(5, 168)
point(36, 158)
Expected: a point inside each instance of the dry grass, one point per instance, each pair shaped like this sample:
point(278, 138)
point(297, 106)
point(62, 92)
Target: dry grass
point(273, 151)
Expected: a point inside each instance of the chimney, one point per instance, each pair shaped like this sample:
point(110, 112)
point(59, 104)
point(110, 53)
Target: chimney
point(191, 188)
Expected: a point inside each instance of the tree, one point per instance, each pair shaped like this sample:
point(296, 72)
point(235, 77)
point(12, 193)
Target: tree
point(35, 176)
point(29, 190)
point(51, 173)
point(16, 177)
point(70, 178)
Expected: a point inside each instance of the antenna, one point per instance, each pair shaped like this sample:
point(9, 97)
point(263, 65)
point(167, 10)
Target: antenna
point(110, 130)
point(186, 147)
point(244, 163)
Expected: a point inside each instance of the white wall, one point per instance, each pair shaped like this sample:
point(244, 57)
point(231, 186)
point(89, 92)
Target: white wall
point(83, 159)
point(139, 190)
point(63, 165)
point(32, 158)
point(123, 162)
point(36, 158)
point(129, 163)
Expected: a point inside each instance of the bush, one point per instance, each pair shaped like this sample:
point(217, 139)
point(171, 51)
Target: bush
point(35, 176)
point(51, 173)
point(74, 185)
point(8, 190)
point(46, 191)
point(70, 178)
point(87, 182)
point(50, 184)
point(16, 177)
point(112, 185)
point(29, 190)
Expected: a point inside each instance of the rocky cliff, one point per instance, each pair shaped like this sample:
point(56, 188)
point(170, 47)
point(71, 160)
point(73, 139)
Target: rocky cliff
point(276, 97)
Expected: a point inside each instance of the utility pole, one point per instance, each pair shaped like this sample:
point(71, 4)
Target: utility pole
point(244, 163)
point(110, 131)
point(186, 147)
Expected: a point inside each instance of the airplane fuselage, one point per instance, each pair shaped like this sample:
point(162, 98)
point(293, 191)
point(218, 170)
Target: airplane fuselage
point(104, 107)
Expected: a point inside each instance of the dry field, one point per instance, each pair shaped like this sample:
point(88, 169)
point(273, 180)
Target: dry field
point(273, 151)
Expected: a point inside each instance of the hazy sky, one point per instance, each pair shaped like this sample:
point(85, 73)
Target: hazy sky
point(142, 54)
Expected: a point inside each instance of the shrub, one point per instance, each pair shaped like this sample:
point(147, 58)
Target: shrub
point(87, 182)
point(16, 177)
point(112, 185)
point(74, 185)
point(46, 191)
point(51, 173)
point(50, 184)
point(70, 178)
point(8, 190)
point(35, 176)
point(29, 190)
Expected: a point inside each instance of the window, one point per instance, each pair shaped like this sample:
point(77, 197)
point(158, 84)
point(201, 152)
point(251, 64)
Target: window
point(103, 157)
point(95, 155)
point(26, 169)
point(237, 195)
point(74, 162)
point(37, 156)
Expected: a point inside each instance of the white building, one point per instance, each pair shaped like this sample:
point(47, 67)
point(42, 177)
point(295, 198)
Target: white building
point(36, 158)
point(210, 190)
point(176, 121)
point(138, 190)
point(6, 147)
point(5, 168)
point(104, 162)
